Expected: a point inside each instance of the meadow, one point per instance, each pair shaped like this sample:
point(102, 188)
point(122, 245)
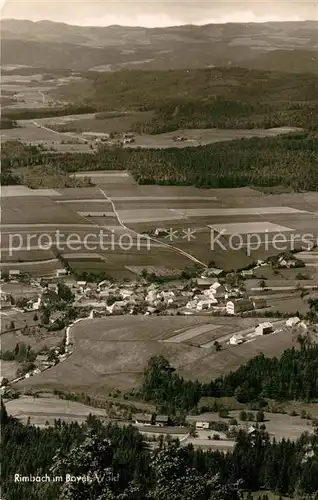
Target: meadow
point(113, 352)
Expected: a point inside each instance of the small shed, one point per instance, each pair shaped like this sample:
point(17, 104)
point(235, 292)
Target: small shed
point(264, 328)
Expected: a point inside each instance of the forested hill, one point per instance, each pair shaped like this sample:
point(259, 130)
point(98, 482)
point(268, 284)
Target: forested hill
point(293, 376)
point(285, 46)
point(120, 465)
point(202, 98)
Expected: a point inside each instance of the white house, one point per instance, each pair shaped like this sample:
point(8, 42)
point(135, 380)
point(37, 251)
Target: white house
point(61, 272)
point(247, 273)
point(236, 340)
point(203, 305)
point(81, 285)
point(264, 328)
point(36, 305)
point(126, 293)
point(210, 293)
point(202, 424)
point(192, 304)
point(239, 305)
point(14, 273)
point(116, 307)
point(218, 290)
point(288, 262)
point(292, 321)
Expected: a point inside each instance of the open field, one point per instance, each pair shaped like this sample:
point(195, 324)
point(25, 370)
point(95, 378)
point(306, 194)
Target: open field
point(9, 369)
point(194, 217)
point(37, 339)
point(278, 425)
point(47, 409)
point(113, 352)
point(202, 137)
point(65, 136)
point(103, 122)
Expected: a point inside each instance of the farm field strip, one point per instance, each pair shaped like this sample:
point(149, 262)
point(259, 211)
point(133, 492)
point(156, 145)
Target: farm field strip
point(239, 211)
point(78, 200)
point(53, 407)
point(250, 227)
point(57, 225)
point(173, 248)
point(193, 332)
point(11, 191)
point(96, 214)
point(31, 263)
point(107, 174)
point(164, 198)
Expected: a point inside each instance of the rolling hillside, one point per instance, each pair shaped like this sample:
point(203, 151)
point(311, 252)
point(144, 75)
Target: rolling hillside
point(270, 46)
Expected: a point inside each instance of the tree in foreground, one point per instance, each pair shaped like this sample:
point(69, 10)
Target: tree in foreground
point(169, 475)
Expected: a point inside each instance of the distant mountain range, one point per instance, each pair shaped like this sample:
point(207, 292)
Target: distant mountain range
point(289, 46)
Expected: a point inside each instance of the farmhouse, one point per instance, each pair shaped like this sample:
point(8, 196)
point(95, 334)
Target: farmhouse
point(14, 273)
point(81, 285)
point(205, 283)
point(214, 271)
point(202, 424)
point(203, 305)
point(264, 328)
point(238, 306)
point(191, 304)
point(179, 301)
point(210, 293)
point(143, 419)
point(218, 290)
point(126, 293)
point(287, 262)
point(61, 272)
point(116, 307)
point(292, 321)
point(259, 303)
point(160, 231)
point(249, 273)
point(161, 420)
point(36, 305)
point(236, 340)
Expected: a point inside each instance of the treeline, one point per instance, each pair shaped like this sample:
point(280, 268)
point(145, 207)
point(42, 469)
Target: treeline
point(289, 161)
point(27, 114)
point(293, 376)
point(6, 123)
point(21, 353)
point(120, 465)
point(281, 161)
point(226, 114)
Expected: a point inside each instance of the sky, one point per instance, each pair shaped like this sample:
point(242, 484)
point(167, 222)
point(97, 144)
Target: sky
point(151, 13)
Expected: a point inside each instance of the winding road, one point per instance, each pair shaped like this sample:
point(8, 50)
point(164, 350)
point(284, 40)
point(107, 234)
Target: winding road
point(171, 247)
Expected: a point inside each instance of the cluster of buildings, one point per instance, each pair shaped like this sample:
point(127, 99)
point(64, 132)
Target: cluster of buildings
point(204, 294)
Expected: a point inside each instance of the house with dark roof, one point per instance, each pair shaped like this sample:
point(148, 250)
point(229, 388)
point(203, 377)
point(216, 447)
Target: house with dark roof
point(162, 420)
point(143, 419)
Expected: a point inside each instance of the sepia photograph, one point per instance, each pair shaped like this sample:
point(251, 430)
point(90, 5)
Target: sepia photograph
point(159, 250)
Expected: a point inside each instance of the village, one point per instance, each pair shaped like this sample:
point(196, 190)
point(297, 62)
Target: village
point(52, 306)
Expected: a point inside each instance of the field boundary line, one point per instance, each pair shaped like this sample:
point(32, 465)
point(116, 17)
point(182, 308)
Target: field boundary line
point(171, 247)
